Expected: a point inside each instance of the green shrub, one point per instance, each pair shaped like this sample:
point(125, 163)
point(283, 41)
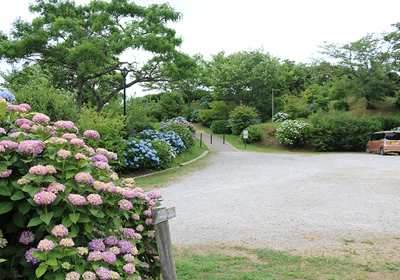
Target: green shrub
point(194, 115)
point(390, 122)
point(221, 127)
point(254, 134)
point(341, 105)
point(341, 132)
point(188, 138)
point(111, 128)
point(164, 152)
point(171, 105)
point(219, 111)
point(293, 133)
point(140, 115)
point(242, 117)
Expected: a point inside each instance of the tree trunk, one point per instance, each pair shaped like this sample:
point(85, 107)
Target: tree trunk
point(80, 90)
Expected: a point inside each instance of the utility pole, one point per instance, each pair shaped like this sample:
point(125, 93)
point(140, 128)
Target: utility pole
point(272, 105)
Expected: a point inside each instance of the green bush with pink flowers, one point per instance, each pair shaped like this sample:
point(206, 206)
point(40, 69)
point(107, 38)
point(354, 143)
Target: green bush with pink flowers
point(64, 212)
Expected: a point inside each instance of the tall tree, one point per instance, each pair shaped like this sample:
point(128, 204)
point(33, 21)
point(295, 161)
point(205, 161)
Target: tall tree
point(365, 64)
point(81, 45)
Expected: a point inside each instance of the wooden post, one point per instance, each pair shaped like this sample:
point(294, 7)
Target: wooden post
point(210, 138)
point(160, 216)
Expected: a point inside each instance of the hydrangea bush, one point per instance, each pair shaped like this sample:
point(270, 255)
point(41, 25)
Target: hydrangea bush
point(280, 117)
point(293, 133)
point(65, 213)
point(177, 120)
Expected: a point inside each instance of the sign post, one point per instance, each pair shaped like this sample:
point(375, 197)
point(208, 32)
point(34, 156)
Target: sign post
point(245, 136)
point(201, 137)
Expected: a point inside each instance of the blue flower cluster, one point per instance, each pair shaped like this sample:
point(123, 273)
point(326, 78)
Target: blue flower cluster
point(194, 116)
point(8, 96)
point(140, 154)
point(204, 104)
point(170, 137)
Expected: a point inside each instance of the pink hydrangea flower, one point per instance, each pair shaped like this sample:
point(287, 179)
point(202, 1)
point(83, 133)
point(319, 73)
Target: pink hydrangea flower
point(73, 275)
point(5, 173)
point(16, 134)
point(109, 257)
point(128, 232)
point(129, 268)
point(147, 213)
point(82, 251)
point(111, 155)
point(154, 194)
point(97, 245)
point(109, 187)
point(69, 136)
point(103, 273)
point(31, 146)
point(129, 258)
point(56, 187)
point(102, 151)
point(8, 144)
point(77, 142)
point(76, 199)
point(125, 246)
point(134, 251)
point(26, 106)
point(95, 256)
point(84, 177)
point(63, 153)
point(129, 181)
point(91, 134)
point(94, 199)
point(59, 231)
point(2, 150)
point(79, 156)
point(45, 245)
point(27, 237)
point(88, 275)
point(57, 140)
point(68, 125)
point(22, 121)
point(149, 221)
point(111, 240)
point(67, 242)
point(89, 150)
point(99, 186)
point(25, 126)
point(51, 169)
point(99, 157)
point(17, 108)
point(2, 130)
point(38, 170)
point(44, 197)
point(115, 250)
point(151, 234)
point(101, 165)
point(140, 227)
point(41, 118)
point(23, 181)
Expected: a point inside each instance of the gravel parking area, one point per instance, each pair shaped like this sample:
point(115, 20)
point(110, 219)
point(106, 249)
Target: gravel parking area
point(287, 201)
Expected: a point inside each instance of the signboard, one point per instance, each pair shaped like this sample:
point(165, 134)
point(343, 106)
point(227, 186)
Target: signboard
point(201, 131)
point(245, 134)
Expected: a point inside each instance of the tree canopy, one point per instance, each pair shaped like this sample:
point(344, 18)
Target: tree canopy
point(81, 45)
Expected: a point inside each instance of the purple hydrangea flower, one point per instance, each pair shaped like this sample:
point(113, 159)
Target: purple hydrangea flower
point(97, 244)
point(44, 197)
point(92, 134)
point(27, 237)
point(109, 257)
point(5, 173)
point(59, 231)
point(129, 268)
point(29, 258)
point(111, 240)
point(125, 204)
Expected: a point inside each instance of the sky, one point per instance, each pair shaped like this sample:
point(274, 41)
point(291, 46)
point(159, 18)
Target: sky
point(288, 29)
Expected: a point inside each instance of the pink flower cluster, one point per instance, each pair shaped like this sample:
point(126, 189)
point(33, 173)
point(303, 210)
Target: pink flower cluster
point(38, 170)
point(73, 275)
point(129, 268)
point(16, 134)
point(56, 187)
point(5, 173)
point(125, 204)
point(63, 153)
point(69, 136)
point(8, 144)
point(77, 142)
point(88, 275)
point(27, 237)
point(125, 246)
point(97, 245)
point(91, 134)
point(22, 121)
point(3, 242)
point(76, 199)
point(44, 197)
point(45, 245)
point(154, 194)
point(101, 165)
point(84, 177)
point(31, 146)
point(57, 140)
point(41, 118)
point(94, 199)
point(59, 231)
point(79, 156)
point(105, 274)
point(68, 125)
point(67, 242)
point(2, 130)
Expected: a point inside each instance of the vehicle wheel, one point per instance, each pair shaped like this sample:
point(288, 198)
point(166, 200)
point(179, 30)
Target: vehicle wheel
point(382, 152)
point(368, 151)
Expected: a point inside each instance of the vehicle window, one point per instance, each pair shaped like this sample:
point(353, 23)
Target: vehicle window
point(392, 136)
point(376, 136)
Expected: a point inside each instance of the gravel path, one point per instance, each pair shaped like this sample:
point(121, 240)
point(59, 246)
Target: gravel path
point(287, 201)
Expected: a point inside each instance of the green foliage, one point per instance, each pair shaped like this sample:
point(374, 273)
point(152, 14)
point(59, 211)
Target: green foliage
point(341, 132)
point(219, 111)
point(139, 115)
point(293, 133)
point(291, 106)
point(221, 127)
point(390, 122)
point(254, 134)
point(165, 153)
point(111, 128)
point(171, 105)
point(33, 86)
point(397, 98)
point(194, 116)
point(55, 180)
point(241, 117)
point(341, 105)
